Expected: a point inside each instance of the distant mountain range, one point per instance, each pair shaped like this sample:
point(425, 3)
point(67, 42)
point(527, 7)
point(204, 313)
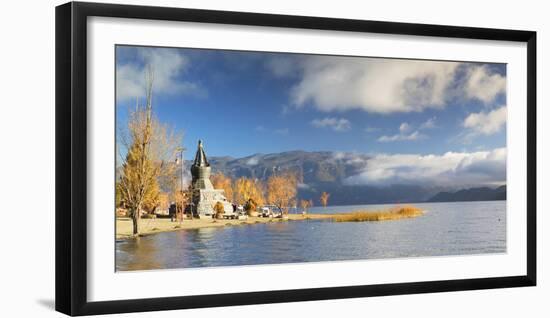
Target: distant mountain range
point(328, 171)
point(472, 194)
point(312, 167)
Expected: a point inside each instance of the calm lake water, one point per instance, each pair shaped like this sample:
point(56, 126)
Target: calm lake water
point(456, 228)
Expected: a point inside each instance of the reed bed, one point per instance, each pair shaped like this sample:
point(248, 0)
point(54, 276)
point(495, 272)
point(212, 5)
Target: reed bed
point(400, 212)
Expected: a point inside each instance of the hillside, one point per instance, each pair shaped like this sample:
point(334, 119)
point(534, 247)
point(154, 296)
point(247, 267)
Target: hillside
point(322, 171)
point(472, 194)
point(328, 171)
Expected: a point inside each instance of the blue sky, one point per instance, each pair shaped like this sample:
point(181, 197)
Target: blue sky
point(242, 103)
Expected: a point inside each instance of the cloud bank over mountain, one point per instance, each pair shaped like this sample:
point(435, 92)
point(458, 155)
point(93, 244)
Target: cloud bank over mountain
point(449, 169)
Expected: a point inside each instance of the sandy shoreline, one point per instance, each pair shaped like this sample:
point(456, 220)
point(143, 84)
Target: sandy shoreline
point(151, 226)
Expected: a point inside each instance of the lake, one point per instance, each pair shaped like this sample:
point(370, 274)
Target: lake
point(449, 228)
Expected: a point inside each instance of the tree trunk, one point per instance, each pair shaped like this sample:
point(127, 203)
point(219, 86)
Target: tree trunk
point(280, 207)
point(135, 222)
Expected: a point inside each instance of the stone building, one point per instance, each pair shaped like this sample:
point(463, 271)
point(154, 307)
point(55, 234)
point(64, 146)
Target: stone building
point(204, 196)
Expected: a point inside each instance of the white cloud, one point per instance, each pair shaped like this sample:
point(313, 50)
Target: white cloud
point(129, 81)
point(252, 161)
point(336, 124)
point(415, 135)
point(348, 157)
point(482, 85)
point(404, 127)
point(450, 169)
point(167, 65)
point(404, 130)
point(373, 85)
point(428, 124)
point(403, 134)
point(384, 86)
point(486, 123)
point(338, 155)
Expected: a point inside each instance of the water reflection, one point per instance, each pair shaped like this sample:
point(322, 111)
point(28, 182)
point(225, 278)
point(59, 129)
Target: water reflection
point(446, 229)
point(139, 254)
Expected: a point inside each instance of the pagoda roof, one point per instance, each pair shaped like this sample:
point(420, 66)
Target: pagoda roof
point(200, 157)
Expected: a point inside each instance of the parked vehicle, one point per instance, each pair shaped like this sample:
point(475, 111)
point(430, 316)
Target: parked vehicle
point(270, 211)
point(230, 215)
point(264, 212)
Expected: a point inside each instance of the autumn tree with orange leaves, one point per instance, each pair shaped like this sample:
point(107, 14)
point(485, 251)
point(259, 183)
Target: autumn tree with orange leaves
point(246, 189)
point(221, 181)
point(324, 198)
point(305, 204)
point(282, 190)
point(147, 145)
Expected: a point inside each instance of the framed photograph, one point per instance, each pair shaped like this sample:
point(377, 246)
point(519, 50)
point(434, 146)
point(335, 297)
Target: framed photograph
point(209, 158)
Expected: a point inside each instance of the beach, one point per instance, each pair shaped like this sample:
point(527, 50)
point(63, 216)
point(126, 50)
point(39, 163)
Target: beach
point(151, 226)
point(157, 225)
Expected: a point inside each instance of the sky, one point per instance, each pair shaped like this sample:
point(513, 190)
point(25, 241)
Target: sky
point(439, 120)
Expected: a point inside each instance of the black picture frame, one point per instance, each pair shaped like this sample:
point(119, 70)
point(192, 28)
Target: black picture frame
point(71, 157)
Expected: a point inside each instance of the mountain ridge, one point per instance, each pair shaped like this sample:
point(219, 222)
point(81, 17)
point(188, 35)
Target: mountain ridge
point(471, 194)
point(320, 171)
point(327, 171)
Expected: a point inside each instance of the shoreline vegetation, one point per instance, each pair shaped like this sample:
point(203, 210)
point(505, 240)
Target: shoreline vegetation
point(159, 225)
point(395, 213)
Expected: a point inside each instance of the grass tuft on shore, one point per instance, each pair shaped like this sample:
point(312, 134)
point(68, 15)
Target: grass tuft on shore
point(396, 213)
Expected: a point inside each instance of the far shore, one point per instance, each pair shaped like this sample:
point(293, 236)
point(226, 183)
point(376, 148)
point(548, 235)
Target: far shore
point(158, 225)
